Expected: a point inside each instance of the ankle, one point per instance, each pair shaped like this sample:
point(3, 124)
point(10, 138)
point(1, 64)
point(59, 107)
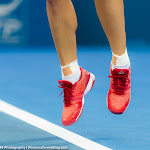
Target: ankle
point(120, 60)
point(73, 78)
point(66, 71)
point(71, 68)
point(71, 72)
point(114, 59)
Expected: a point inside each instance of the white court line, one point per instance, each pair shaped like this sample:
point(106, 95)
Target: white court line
point(50, 127)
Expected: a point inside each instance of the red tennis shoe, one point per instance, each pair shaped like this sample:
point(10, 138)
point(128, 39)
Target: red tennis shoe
point(119, 94)
point(74, 96)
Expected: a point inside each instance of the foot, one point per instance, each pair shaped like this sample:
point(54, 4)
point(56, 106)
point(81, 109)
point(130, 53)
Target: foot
point(74, 96)
point(119, 94)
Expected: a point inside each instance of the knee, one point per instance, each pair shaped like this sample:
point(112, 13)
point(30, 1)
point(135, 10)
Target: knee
point(53, 3)
point(54, 6)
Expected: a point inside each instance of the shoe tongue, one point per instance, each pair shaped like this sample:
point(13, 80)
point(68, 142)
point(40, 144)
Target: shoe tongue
point(65, 83)
point(120, 71)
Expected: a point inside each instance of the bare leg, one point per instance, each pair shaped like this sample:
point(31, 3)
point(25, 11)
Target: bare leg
point(111, 15)
point(63, 24)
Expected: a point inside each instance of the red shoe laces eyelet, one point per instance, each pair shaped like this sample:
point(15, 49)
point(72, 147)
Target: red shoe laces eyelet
point(120, 83)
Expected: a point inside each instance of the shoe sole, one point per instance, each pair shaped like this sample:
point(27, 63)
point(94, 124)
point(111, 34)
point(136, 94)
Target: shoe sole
point(88, 89)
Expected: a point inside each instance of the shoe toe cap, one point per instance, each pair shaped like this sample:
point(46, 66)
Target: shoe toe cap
point(117, 104)
point(70, 115)
point(69, 120)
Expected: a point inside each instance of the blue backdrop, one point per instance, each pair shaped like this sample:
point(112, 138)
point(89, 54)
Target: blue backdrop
point(36, 32)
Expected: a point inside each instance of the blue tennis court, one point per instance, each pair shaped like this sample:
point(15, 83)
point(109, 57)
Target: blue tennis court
point(28, 80)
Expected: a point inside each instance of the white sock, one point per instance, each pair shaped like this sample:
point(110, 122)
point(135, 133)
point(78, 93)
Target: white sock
point(122, 62)
point(76, 72)
point(73, 78)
